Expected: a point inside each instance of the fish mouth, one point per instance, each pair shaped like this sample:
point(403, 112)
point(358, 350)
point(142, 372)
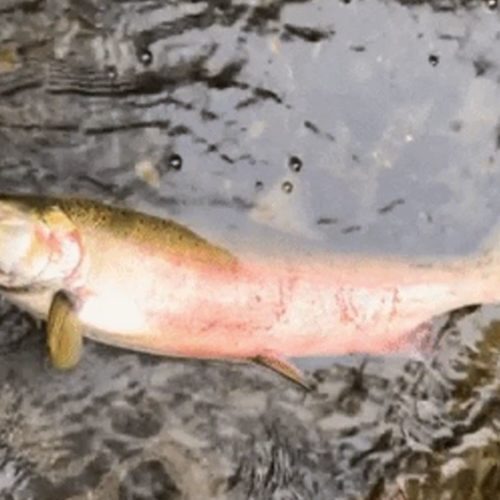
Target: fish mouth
point(9, 283)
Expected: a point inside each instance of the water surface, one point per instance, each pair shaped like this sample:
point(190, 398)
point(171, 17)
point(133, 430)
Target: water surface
point(363, 126)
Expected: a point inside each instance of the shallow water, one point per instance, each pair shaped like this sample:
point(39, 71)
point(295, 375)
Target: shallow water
point(360, 126)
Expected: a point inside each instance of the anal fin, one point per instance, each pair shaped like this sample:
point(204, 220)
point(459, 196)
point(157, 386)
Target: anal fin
point(282, 366)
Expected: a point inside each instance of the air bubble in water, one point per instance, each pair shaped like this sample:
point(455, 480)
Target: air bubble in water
point(175, 162)
point(433, 59)
point(295, 164)
point(146, 57)
point(111, 72)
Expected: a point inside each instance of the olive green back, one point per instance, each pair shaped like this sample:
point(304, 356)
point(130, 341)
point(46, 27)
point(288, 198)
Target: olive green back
point(126, 224)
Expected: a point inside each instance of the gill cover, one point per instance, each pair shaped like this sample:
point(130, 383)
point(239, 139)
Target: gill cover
point(38, 242)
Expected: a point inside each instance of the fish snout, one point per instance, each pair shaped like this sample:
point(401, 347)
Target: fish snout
point(16, 238)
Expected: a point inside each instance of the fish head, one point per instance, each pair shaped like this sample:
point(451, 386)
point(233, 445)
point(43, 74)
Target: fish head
point(35, 243)
point(17, 237)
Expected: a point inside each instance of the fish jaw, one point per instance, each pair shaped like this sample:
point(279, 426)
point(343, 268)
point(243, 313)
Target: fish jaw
point(39, 246)
point(22, 255)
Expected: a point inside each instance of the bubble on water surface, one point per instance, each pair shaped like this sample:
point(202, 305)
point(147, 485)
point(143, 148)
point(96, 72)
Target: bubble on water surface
point(175, 162)
point(146, 57)
point(433, 59)
point(111, 72)
point(295, 164)
point(287, 187)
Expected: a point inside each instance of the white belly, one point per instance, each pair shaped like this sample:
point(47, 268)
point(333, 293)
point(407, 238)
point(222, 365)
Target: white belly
point(114, 313)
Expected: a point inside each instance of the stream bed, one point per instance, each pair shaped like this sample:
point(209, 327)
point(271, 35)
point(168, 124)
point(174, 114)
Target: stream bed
point(339, 126)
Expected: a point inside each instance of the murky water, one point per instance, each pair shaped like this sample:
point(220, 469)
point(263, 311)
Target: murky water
point(359, 126)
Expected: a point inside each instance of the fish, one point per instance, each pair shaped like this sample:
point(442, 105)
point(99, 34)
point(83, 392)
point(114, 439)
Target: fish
point(141, 282)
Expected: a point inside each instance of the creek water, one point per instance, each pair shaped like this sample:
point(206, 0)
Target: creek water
point(357, 126)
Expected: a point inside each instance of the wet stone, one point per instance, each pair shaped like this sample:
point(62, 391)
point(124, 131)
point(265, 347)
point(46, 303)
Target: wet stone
point(15, 328)
point(139, 421)
point(149, 481)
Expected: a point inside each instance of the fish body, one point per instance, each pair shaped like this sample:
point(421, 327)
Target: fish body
point(148, 284)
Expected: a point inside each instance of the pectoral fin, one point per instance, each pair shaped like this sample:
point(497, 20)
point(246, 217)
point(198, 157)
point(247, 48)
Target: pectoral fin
point(64, 333)
point(283, 367)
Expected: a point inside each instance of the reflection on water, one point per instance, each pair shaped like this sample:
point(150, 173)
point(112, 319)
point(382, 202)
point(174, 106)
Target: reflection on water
point(343, 126)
